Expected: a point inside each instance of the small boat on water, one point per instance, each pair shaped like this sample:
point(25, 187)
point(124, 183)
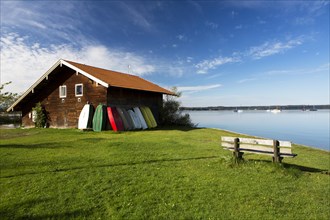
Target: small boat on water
point(275, 111)
point(238, 110)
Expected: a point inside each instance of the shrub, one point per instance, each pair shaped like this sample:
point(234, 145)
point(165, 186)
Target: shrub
point(39, 116)
point(171, 113)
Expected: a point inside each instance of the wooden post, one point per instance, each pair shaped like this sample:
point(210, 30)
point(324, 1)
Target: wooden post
point(237, 154)
point(276, 157)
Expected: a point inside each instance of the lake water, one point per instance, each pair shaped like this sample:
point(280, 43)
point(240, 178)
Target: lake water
point(309, 128)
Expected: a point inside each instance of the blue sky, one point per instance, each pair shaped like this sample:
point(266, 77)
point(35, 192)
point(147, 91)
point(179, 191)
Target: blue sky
point(218, 53)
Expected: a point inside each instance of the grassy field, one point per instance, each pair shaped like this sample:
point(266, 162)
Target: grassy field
point(155, 174)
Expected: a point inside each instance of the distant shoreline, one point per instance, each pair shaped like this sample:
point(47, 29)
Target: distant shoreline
point(264, 107)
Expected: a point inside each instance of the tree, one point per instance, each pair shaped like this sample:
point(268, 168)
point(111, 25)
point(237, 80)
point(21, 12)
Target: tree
point(6, 98)
point(171, 113)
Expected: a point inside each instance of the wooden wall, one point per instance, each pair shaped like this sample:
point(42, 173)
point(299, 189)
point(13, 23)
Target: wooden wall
point(64, 112)
point(129, 98)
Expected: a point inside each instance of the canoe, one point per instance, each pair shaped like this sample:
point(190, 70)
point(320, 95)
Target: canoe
point(129, 119)
point(112, 119)
point(106, 126)
point(151, 117)
point(135, 119)
point(84, 117)
point(123, 118)
point(146, 116)
point(119, 122)
point(115, 119)
point(99, 118)
point(90, 117)
point(140, 117)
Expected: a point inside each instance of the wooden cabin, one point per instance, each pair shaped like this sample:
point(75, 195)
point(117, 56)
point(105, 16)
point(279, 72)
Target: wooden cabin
point(67, 86)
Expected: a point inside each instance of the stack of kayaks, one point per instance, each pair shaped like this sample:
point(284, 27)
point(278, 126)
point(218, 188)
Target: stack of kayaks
point(116, 118)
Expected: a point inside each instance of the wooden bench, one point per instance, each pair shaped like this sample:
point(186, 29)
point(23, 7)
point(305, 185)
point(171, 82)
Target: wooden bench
point(276, 149)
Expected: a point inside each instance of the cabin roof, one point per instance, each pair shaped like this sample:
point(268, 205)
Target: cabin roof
point(104, 77)
point(122, 80)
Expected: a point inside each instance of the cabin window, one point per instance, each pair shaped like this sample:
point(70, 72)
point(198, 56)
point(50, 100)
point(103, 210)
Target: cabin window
point(79, 89)
point(62, 91)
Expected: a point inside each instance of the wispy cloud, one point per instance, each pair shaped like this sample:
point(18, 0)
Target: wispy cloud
point(246, 80)
point(189, 59)
point(212, 25)
point(138, 17)
point(192, 89)
point(270, 48)
point(181, 37)
point(205, 65)
point(325, 68)
point(63, 20)
point(266, 49)
point(23, 63)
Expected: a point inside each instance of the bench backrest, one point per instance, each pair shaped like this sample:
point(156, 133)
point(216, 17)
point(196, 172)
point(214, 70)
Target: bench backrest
point(258, 146)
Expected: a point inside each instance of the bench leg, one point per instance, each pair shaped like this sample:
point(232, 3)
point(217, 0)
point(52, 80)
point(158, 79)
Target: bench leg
point(277, 159)
point(238, 156)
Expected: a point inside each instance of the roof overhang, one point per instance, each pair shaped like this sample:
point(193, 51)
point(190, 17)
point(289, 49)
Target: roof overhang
point(45, 76)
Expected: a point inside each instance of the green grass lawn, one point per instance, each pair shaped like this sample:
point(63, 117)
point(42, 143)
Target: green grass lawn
point(155, 174)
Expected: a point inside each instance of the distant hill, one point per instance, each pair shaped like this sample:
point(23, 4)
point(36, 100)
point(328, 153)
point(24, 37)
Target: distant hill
point(265, 107)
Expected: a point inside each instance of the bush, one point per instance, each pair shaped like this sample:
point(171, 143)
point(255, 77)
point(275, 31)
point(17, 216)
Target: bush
point(171, 113)
point(39, 116)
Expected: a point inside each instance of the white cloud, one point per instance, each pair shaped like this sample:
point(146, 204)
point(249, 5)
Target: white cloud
point(197, 88)
point(271, 48)
point(23, 63)
point(205, 65)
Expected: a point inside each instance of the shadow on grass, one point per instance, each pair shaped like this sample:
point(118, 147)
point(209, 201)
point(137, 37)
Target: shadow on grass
point(178, 128)
point(48, 145)
point(306, 169)
point(12, 211)
point(112, 165)
point(92, 140)
point(294, 166)
point(32, 146)
point(80, 213)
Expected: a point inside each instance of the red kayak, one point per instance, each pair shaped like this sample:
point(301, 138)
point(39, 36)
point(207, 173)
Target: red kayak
point(115, 120)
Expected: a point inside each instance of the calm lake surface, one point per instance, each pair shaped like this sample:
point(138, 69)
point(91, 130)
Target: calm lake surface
point(309, 128)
